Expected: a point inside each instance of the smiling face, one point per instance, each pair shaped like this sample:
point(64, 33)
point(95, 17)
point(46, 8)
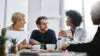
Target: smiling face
point(18, 20)
point(43, 26)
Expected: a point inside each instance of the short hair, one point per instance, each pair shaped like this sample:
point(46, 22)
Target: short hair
point(96, 10)
point(75, 16)
point(38, 21)
point(17, 16)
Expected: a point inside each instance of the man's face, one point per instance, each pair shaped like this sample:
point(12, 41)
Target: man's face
point(43, 25)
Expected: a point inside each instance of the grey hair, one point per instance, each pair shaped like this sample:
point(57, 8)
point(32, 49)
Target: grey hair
point(96, 10)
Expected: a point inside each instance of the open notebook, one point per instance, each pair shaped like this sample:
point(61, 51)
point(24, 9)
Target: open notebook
point(19, 35)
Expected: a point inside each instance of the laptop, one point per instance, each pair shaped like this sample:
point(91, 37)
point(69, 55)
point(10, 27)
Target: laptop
point(19, 35)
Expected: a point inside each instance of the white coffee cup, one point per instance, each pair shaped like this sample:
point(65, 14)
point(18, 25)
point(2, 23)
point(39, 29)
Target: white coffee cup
point(50, 46)
point(36, 47)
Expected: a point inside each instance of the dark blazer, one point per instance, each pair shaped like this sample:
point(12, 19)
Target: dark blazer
point(92, 48)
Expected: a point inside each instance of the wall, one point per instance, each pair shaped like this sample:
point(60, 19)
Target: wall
point(2, 6)
point(41, 8)
point(34, 10)
point(16, 6)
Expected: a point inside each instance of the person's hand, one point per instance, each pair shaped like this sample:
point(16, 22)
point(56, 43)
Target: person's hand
point(64, 47)
point(21, 46)
point(62, 33)
point(69, 36)
point(24, 42)
point(35, 42)
point(28, 46)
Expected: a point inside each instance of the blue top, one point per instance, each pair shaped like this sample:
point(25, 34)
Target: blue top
point(48, 37)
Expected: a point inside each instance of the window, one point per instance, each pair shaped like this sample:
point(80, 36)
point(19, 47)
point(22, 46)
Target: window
point(88, 22)
point(16, 6)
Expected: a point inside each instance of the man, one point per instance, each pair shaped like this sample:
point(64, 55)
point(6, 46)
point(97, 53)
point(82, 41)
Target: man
point(43, 35)
point(93, 47)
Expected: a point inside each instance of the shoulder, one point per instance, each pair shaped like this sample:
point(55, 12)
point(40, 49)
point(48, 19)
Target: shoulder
point(9, 28)
point(50, 30)
point(80, 29)
point(35, 31)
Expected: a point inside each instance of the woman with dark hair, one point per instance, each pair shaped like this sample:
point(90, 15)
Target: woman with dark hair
point(92, 48)
point(74, 34)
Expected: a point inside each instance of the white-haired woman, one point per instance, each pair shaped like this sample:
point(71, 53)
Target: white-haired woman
point(18, 22)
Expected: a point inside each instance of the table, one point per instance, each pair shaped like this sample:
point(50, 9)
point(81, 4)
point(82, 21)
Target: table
point(55, 54)
point(42, 54)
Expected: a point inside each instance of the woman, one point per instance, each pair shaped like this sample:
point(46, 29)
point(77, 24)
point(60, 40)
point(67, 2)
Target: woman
point(92, 48)
point(18, 20)
point(74, 34)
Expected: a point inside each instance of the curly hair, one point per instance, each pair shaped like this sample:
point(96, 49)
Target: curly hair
point(75, 16)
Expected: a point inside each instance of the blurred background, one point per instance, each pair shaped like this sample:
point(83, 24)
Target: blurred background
point(53, 9)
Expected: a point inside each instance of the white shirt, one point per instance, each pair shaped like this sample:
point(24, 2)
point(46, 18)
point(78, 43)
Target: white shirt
point(10, 28)
point(80, 36)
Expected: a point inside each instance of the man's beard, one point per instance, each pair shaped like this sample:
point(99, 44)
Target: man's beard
point(44, 30)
